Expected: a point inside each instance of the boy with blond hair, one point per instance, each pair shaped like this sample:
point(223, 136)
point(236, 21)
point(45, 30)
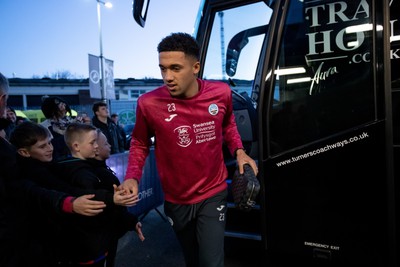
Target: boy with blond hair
point(91, 240)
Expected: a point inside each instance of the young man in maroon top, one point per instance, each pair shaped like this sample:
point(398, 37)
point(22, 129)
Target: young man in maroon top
point(190, 120)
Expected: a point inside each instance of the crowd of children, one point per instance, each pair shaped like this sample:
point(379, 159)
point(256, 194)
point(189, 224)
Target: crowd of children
point(73, 240)
point(64, 212)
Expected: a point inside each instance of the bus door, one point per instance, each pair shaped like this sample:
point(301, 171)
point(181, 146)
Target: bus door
point(231, 35)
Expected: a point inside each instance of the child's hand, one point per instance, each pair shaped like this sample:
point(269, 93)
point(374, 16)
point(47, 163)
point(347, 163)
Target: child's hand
point(139, 232)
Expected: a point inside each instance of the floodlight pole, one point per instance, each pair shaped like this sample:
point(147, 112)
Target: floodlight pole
point(103, 80)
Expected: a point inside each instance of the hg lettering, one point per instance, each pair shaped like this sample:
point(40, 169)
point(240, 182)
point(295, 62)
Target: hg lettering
point(334, 13)
point(325, 15)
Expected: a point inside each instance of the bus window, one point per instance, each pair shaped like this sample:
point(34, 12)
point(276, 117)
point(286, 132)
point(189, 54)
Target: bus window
point(241, 26)
point(324, 76)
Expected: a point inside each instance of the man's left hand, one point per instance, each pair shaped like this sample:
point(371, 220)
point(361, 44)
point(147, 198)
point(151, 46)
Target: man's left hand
point(242, 159)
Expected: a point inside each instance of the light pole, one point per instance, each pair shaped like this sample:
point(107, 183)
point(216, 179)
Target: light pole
point(103, 80)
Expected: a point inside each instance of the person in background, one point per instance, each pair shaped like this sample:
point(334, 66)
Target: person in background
point(9, 256)
point(13, 190)
point(4, 124)
point(190, 120)
point(84, 117)
point(120, 127)
point(11, 115)
point(58, 117)
point(89, 240)
point(102, 121)
point(20, 120)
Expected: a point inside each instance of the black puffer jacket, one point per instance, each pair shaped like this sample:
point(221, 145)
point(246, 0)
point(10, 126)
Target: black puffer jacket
point(90, 237)
point(125, 221)
point(21, 196)
point(42, 223)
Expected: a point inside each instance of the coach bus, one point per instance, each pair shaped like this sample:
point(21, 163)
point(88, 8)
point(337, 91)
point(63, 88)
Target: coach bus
point(316, 96)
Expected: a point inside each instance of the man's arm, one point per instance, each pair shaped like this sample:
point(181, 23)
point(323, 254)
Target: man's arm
point(138, 152)
point(57, 201)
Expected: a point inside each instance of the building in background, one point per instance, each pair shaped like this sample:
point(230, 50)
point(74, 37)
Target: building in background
point(26, 95)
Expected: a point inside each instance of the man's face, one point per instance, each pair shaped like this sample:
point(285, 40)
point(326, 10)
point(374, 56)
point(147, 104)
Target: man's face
point(179, 73)
point(11, 116)
point(115, 119)
point(62, 109)
point(102, 111)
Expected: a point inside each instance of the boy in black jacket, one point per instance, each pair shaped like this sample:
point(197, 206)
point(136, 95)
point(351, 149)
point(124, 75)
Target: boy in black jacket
point(102, 170)
point(34, 156)
point(14, 248)
point(93, 238)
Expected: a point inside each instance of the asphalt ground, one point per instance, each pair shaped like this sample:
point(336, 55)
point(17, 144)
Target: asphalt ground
point(161, 248)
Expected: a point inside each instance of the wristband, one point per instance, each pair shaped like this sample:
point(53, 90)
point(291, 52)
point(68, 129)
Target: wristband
point(67, 206)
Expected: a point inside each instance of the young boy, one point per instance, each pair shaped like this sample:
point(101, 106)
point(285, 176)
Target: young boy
point(94, 238)
point(34, 148)
point(122, 214)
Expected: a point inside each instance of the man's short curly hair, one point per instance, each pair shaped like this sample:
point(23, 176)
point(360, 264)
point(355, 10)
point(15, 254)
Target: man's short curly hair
point(180, 41)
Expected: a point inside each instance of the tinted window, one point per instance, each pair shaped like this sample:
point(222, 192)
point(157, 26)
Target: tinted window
point(323, 78)
point(235, 43)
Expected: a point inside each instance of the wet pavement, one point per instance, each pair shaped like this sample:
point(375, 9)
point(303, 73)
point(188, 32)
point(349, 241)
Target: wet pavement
point(161, 248)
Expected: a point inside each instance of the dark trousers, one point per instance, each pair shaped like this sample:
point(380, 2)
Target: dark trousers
point(200, 229)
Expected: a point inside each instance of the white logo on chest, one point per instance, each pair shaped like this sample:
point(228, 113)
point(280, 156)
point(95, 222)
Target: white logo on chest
point(170, 117)
point(213, 109)
point(184, 139)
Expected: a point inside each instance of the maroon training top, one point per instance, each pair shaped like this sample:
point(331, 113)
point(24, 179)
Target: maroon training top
point(189, 134)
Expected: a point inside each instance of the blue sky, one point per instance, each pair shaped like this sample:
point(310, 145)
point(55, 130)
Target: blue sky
point(43, 37)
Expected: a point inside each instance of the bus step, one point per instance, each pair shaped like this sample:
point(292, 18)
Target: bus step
point(231, 205)
point(243, 235)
